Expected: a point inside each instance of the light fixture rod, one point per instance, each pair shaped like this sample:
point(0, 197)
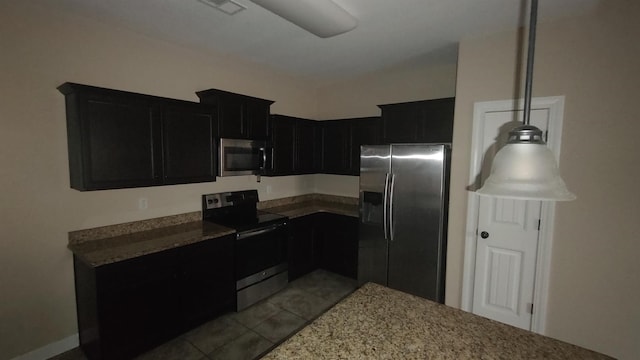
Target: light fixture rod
point(530, 52)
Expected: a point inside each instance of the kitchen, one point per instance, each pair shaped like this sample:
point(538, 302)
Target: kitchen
point(593, 292)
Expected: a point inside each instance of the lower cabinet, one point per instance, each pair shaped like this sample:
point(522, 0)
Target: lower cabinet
point(131, 306)
point(339, 251)
point(303, 255)
point(324, 240)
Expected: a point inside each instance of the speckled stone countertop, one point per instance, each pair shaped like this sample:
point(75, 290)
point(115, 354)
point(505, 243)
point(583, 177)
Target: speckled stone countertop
point(298, 206)
point(108, 244)
point(108, 250)
point(376, 322)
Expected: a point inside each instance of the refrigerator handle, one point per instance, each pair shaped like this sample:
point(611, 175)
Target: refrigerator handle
point(391, 188)
point(385, 207)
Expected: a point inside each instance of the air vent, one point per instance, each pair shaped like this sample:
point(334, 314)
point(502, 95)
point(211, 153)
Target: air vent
point(228, 7)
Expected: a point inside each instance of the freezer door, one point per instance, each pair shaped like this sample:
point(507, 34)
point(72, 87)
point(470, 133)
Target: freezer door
point(416, 234)
point(372, 246)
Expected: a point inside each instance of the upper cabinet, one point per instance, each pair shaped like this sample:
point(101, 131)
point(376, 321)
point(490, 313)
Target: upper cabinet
point(282, 145)
point(418, 121)
point(118, 139)
point(363, 131)
point(188, 144)
point(296, 146)
point(335, 147)
point(308, 147)
point(341, 141)
point(240, 116)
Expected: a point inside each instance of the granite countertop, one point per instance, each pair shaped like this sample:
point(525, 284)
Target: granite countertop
point(310, 204)
point(126, 246)
point(113, 243)
point(376, 322)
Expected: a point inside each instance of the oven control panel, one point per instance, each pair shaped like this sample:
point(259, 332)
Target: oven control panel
point(234, 198)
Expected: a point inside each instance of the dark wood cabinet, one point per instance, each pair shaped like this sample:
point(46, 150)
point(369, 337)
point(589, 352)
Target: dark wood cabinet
point(363, 131)
point(131, 306)
point(303, 255)
point(341, 140)
point(188, 131)
point(324, 240)
point(418, 121)
point(118, 139)
point(297, 145)
point(240, 116)
point(282, 145)
point(308, 147)
point(335, 147)
point(339, 249)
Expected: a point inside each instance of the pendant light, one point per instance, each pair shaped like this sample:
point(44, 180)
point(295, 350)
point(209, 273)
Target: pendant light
point(525, 168)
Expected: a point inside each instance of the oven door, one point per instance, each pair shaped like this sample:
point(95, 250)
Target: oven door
point(259, 250)
point(242, 157)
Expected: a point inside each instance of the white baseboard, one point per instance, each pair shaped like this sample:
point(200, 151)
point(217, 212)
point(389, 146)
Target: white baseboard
point(50, 350)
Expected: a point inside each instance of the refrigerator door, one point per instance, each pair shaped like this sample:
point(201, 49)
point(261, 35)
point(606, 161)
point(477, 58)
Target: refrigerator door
point(372, 246)
point(416, 261)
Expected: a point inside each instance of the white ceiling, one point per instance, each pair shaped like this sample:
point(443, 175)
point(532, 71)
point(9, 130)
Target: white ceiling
point(389, 32)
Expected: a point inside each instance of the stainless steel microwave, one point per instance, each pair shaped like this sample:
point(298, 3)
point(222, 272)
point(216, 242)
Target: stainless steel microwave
point(242, 157)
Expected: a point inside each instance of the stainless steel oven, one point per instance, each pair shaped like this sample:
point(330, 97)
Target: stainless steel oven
point(261, 263)
point(261, 267)
point(242, 157)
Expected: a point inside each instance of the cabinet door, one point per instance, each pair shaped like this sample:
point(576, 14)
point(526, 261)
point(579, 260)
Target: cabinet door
point(188, 143)
point(437, 121)
point(282, 132)
point(364, 131)
point(335, 142)
point(418, 121)
point(303, 258)
point(256, 116)
point(136, 302)
point(207, 283)
point(401, 124)
point(230, 119)
point(308, 147)
point(112, 142)
point(240, 116)
point(339, 243)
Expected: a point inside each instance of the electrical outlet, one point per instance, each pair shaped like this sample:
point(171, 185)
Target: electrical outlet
point(143, 204)
point(269, 189)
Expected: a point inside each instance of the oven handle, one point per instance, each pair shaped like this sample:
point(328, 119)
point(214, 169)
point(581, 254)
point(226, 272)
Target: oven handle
point(256, 232)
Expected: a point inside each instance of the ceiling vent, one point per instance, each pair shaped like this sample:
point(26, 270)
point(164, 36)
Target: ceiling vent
point(228, 7)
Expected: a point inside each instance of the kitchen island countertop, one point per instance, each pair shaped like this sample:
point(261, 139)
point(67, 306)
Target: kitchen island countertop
point(376, 322)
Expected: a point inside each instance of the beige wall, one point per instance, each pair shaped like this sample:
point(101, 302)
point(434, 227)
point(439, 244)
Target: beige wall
point(39, 51)
point(42, 49)
point(359, 96)
point(595, 62)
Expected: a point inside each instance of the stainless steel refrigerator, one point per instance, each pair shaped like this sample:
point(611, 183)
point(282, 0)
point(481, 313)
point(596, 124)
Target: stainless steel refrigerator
point(404, 195)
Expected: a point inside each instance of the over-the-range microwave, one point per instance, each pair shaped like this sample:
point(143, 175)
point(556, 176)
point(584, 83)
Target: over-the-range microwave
point(242, 157)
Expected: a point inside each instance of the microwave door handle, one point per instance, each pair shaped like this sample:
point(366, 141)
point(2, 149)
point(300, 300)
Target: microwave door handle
point(263, 151)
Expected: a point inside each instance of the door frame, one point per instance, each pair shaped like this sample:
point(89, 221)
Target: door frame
point(555, 106)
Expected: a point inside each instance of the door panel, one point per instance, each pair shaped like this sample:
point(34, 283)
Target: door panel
point(507, 236)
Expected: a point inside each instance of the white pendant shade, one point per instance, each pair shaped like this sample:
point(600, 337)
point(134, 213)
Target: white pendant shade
point(525, 171)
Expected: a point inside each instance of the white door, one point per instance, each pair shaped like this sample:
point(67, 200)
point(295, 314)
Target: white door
point(507, 235)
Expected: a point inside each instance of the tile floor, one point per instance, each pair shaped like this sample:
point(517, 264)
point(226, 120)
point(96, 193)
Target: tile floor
point(257, 329)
